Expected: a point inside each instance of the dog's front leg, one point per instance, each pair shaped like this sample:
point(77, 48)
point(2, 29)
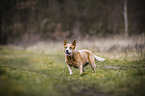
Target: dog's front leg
point(69, 69)
point(81, 68)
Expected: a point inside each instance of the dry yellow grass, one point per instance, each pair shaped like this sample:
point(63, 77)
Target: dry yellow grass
point(111, 48)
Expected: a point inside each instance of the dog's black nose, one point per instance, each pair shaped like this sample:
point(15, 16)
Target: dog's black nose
point(67, 51)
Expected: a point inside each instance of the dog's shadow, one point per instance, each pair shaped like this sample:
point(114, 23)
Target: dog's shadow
point(84, 73)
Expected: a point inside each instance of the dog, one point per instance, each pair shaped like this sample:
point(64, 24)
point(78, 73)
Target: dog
point(79, 58)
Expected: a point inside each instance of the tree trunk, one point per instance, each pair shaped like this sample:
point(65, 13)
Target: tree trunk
point(2, 34)
point(125, 19)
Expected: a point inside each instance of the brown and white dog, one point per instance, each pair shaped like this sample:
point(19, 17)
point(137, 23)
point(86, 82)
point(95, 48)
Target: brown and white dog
point(79, 58)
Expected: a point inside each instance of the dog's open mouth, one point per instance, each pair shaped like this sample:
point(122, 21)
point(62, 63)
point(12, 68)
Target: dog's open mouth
point(68, 54)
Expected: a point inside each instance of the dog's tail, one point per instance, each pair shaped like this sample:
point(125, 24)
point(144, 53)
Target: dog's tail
point(99, 58)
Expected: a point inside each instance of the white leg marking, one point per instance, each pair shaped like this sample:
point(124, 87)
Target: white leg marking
point(69, 69)
point(81, 69)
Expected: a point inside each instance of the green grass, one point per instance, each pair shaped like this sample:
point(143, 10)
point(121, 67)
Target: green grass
point(24, 73)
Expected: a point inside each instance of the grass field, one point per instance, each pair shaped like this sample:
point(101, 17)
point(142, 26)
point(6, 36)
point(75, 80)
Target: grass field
point(39, 71)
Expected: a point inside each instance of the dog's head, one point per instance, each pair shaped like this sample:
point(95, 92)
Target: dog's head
point(69, 48)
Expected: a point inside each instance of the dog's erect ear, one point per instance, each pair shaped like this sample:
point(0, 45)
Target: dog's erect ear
point(65, 42)
point(74, 43)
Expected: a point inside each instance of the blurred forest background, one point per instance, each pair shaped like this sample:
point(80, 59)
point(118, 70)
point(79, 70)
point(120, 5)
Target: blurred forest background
point(33, 20)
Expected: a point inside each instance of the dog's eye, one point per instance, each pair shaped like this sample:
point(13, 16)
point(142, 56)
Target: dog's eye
point(65, 47)
point(70, 47)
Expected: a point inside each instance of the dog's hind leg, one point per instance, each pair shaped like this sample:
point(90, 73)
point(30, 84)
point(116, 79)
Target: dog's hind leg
point(93, 67)
point(84, 70)
point(92, 62)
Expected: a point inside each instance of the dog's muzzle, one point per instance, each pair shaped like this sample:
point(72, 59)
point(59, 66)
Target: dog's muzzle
point(68, 53)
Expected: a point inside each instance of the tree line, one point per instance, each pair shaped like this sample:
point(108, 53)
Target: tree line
point(59, 19)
